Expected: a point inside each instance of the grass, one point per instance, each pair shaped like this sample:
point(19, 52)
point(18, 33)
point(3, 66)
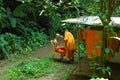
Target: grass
point(66, 75)
point(32, 68)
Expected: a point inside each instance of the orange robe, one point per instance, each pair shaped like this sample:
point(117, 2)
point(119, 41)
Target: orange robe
point(92, 40)
point(69, 44)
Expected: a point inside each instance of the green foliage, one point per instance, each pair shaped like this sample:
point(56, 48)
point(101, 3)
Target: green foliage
point(116, 13)
point(26, 19)
point(98, 78)
point(33, 42)
point(50, 9)
point(2, 46)
point(90, 7)
point(33, 68)
point(9, 23)
point(82, 49)
point(105, 9)
point(9, 44)
point(54, 11)
point(2, 10)
point(6, 18)
point(66, 75)
point(19, 11)
point(23, 1)
point(13, 22)
point(55, 22)
point(23, 9)
point(99, 70)
point(37, 39)
point(97, 0)
point(104, 70)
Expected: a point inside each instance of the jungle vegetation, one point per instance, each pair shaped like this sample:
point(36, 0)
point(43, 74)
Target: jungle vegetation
point(26, 25)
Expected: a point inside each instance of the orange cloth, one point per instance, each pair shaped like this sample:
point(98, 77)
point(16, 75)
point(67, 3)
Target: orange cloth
point(60, 50)
point(69, 44)
point(92, 40)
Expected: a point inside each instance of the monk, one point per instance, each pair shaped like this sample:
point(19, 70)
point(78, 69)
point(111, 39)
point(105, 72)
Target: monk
point(70, 45)
point(59, 48)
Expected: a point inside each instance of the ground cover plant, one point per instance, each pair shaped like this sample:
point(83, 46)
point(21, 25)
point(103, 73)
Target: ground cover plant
point(32, 68)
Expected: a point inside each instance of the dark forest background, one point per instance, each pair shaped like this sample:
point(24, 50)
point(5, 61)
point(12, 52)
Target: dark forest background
point(26, 25)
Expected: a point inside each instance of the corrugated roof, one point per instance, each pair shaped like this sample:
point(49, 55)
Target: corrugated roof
point(92, 20)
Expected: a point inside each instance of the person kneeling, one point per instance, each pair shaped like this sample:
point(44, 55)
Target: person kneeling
point(58, 48)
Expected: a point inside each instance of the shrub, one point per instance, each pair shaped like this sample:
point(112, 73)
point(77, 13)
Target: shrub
point(9, 44)
point(37, 39)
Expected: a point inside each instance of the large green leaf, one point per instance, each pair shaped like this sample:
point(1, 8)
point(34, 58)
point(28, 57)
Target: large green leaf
point(12, 22)
point(107, 50)
point(19, 11)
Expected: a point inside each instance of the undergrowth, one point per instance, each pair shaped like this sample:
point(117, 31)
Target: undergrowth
point(33, 68)
point(12, 44)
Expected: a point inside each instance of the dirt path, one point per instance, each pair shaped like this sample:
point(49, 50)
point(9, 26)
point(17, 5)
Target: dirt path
point(42, 52)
